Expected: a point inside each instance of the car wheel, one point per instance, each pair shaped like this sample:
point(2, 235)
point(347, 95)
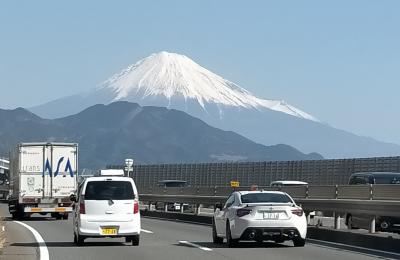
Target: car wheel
point(279, 240)
point(299, 241)
point(135, 240)
point(349, 222)
point(229, 240)
point(215, 237)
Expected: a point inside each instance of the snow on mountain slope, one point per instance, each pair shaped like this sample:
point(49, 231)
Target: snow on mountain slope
point(171, 75)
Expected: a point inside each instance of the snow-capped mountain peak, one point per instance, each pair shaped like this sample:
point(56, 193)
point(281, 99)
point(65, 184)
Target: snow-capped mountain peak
point(175, 76)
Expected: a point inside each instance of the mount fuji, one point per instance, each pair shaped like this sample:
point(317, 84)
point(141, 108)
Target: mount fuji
point(175, 81)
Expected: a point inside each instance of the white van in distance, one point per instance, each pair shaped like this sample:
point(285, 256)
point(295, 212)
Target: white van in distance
point(107, 206)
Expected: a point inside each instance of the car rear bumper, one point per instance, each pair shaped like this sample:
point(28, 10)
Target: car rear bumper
point(265, 233)
point(94, 229)
point(297, 224)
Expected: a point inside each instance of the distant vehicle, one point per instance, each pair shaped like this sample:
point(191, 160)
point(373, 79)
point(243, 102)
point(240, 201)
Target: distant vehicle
point(259, 216)
point(374, 178)
point(287, 183)
point(107, 206)
point(383, 223)
point(172, 184)
point(42, 177)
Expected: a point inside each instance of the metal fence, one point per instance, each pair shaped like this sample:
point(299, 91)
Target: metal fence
point(315, 172)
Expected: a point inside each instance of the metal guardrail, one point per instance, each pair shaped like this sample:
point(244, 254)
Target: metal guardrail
point(368, 200)
point(372, 200)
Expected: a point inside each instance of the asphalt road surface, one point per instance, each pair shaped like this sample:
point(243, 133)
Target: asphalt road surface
point(160, 239)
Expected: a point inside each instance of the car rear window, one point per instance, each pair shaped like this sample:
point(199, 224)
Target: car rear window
point(265, 197)
point(106, 190)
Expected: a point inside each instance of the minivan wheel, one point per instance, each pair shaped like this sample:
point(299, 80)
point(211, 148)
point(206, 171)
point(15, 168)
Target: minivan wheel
point(78, 240)
point(135, 240)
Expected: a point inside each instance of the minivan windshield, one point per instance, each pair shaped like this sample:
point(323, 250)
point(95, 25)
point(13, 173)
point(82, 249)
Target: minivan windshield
point(109, 190)
point(265, 197)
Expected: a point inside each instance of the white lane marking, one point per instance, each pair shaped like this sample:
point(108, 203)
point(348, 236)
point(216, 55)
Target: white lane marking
point(44, 253)
point(3, 228)
point(351, 246)
point(194, 245)
point(147, 231)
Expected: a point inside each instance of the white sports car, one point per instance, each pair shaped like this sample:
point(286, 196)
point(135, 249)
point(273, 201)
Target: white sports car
point(259, 216)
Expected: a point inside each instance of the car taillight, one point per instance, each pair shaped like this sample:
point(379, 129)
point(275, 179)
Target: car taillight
point(82, 209)
point(135, 207)
point(243, 212)
point(298, 212)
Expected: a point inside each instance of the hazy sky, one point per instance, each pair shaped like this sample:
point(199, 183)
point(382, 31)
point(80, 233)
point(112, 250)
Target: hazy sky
point(337, 60)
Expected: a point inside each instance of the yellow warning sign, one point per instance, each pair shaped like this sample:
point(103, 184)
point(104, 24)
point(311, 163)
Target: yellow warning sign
point(234, 184)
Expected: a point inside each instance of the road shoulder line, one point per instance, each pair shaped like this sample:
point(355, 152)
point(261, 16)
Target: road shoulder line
point(44, 252)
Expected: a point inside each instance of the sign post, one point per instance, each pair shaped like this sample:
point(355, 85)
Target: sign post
point(128, 166)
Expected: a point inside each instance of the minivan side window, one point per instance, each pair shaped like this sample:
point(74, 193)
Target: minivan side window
point(109, 190)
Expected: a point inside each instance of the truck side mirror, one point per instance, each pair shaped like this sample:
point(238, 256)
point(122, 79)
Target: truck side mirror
point(73, 198)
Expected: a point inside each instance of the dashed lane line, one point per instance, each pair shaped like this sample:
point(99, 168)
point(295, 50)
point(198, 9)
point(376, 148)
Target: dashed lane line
point(44, 252)
point(146, 231)
point(195, 245)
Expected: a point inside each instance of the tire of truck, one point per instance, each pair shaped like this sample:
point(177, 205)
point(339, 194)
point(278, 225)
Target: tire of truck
point(65, 216)
point(20, 213)
point(56, 215)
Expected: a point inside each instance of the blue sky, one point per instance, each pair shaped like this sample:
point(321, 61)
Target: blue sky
point(337, 60)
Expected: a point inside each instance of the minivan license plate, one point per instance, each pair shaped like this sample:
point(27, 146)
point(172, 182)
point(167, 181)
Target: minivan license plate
point(271, 215)
point(108, 231)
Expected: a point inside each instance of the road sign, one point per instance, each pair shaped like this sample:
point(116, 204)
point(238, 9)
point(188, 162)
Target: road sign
point(234, 184)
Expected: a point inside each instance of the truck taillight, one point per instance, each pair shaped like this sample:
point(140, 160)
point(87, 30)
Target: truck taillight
point(82, 209)
point(135, 207)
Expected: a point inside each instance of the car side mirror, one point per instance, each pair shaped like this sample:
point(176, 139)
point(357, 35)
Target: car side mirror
point(73, 198)
point(218, 206)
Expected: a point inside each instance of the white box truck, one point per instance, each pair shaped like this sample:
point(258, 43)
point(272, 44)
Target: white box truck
point(42, 177)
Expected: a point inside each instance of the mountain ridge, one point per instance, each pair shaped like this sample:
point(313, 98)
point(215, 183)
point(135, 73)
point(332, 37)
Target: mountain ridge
point(109, 133)
point(221, 104)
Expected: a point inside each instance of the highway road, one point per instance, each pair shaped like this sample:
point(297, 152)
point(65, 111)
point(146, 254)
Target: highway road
point(160, 239)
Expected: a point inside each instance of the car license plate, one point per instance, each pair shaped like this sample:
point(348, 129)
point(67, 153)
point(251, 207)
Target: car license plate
point(271, 215)
point(108, 231)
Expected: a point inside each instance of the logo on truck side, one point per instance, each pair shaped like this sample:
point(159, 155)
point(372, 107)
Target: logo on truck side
point(68, 167)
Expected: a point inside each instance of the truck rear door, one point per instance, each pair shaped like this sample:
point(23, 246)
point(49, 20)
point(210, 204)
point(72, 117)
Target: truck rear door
point(31, 171)
point(64, 166)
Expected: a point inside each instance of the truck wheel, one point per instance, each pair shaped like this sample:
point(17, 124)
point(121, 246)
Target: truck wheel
point(65, 216)
point(14, 215)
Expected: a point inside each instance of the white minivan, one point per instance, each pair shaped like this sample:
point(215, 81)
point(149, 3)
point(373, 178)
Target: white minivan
point(107, 206)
